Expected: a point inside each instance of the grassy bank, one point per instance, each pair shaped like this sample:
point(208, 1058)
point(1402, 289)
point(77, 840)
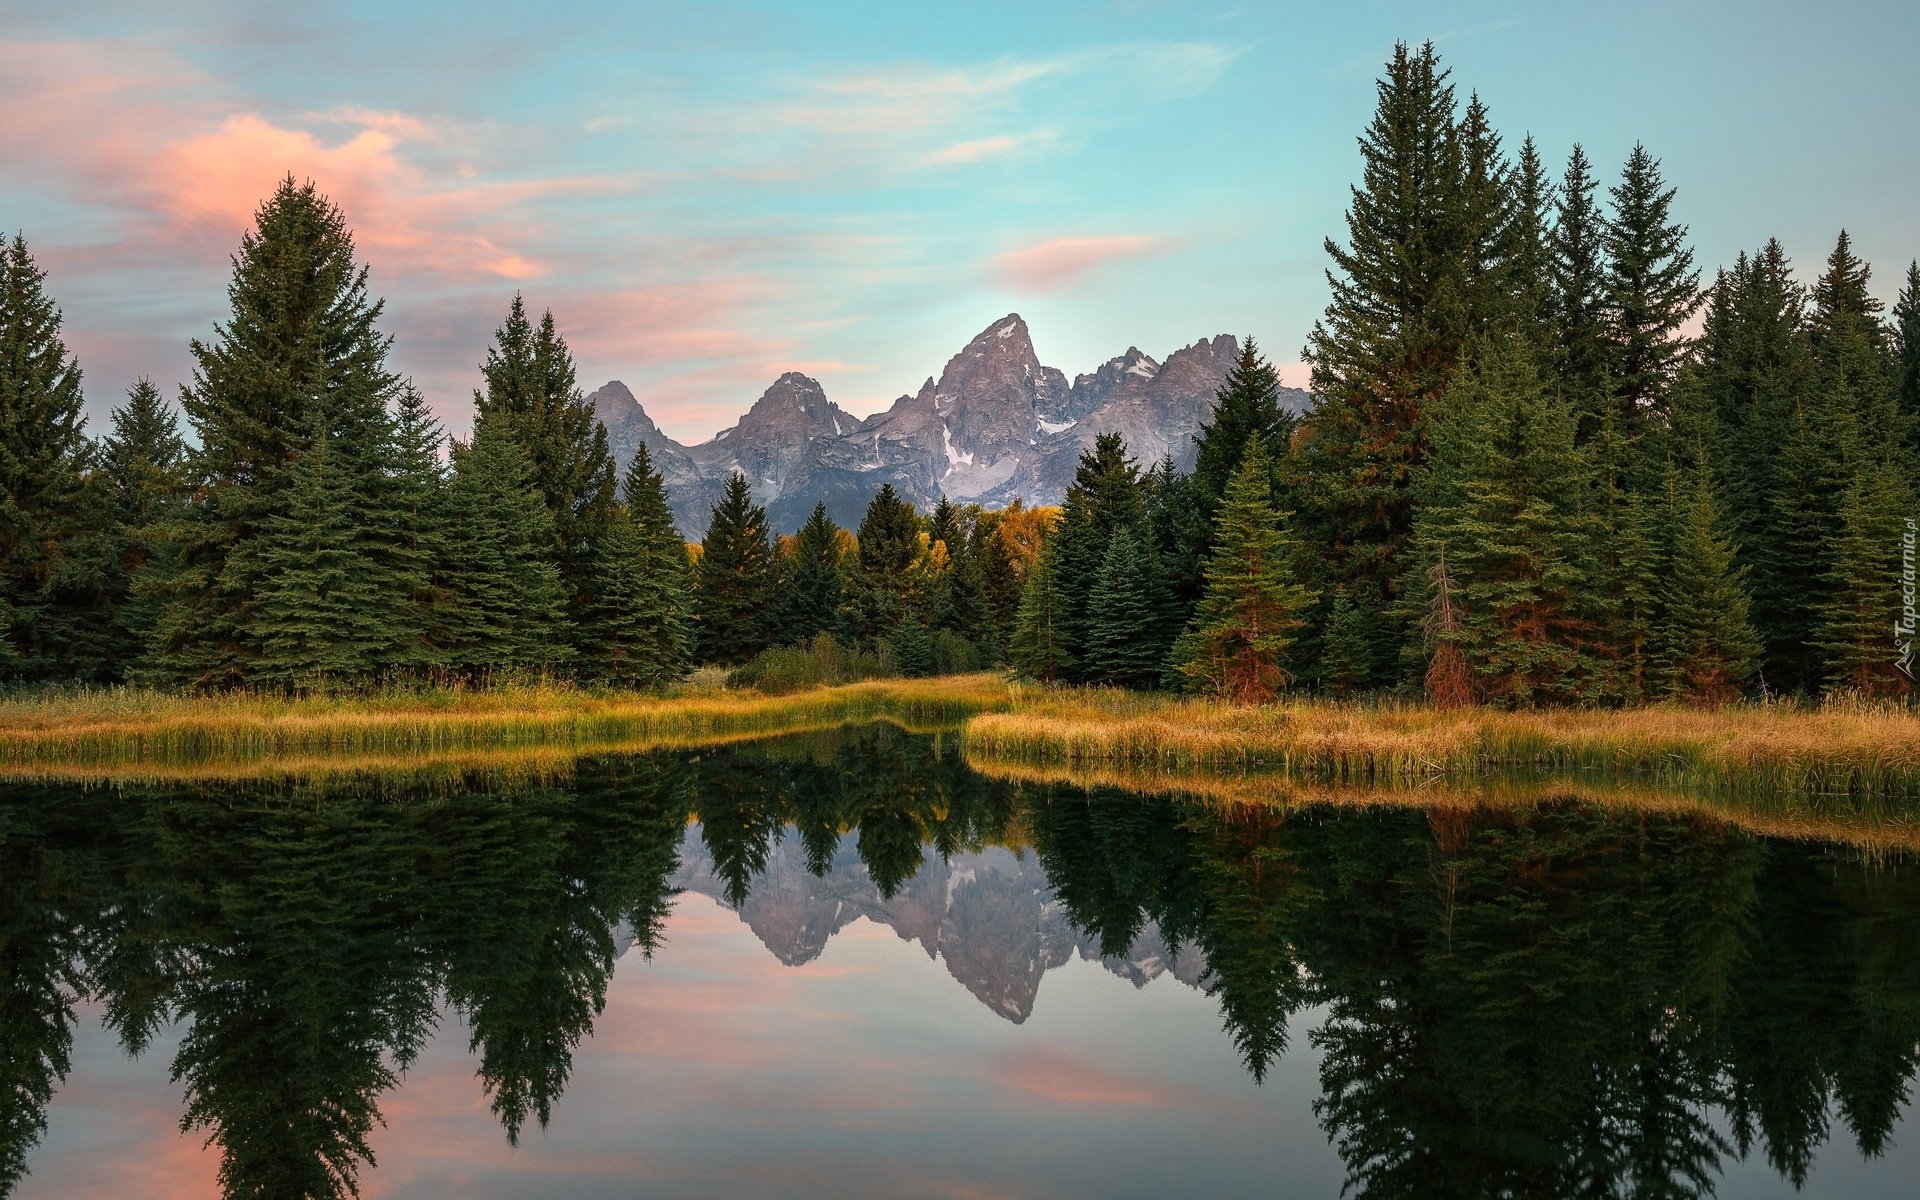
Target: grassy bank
point(1838, 748)
point(132, 733)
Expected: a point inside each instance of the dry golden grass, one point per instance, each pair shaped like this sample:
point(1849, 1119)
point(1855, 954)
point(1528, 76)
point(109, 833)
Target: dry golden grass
point(1875, 829)
point(1846, 747)
point(133, 734)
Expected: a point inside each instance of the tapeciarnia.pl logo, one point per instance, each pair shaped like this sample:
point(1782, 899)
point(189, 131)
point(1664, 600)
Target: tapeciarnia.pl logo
point(1903, 628)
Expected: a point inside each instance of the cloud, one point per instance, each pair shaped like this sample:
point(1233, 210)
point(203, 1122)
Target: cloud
point(1000, 145)
point(1051, 265)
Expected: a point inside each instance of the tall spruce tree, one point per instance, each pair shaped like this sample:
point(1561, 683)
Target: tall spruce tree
point(144, 460)
point(812, 605)
point(1708, 649)
point(1036, 649)
point(530, 381)
point(317, 605)
point(44, 460)
point(884, 586)
point(1652, 290)
point(1577, 339)
point(1505, 504)
point(1104, 498)
point(1237, 646)
point(1528, 248)
point(1246, 406)
point(734, 579)
point(1863, 605)
point(1906, 333)
point(508, 607)
point(302, 334)
point(640, 607)
point(1393, 336)
point(1122, 644)
point(1486, 207)
point(417, 518)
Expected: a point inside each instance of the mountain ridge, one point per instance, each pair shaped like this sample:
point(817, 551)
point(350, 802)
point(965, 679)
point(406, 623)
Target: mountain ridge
point(996, 424)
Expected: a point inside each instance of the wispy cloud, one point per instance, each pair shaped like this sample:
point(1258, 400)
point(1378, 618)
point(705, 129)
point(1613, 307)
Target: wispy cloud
point(1054, 264)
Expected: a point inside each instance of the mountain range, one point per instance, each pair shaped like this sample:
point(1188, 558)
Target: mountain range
point(996, 425)
point(991, 917)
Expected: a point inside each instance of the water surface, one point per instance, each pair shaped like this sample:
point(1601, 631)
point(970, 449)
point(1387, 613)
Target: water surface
point(849, 965)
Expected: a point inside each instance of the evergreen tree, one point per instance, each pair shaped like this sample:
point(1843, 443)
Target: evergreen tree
point(414, 523)
point(508, 606)
point(1906, 332)
point(1104, 498)
point(44, 459)
point(1036, 648)
point(1237, 646)
point(1449, 679)
point(1708, 647)
point(1486, 206)
point(1577, 338)
point(144, 460)
point(1652, 290)
point(1505, 505)
point(1393, 335)
point(884, 585)
point(318, 600)
point(302, 334)
point(912, 649)
point(1124, 614)
point(1864, 600)
point(639, 611)
point(734, 590)
point(1180, 529)
point(1344, 655)
point(1246, 406)
point(814, 589)
point(530, 382)
point(1528, 250)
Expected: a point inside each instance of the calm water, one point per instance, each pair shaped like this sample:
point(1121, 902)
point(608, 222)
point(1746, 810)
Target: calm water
point(849, 966)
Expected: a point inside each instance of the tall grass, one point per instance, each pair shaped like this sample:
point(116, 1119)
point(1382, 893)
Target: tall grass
point(129, 732)
point(1842, 747)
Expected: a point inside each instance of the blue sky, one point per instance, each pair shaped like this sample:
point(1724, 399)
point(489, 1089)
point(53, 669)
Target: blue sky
point(707, 195)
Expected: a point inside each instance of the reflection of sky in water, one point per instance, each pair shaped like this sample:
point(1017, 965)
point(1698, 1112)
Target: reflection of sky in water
point(867, 1072)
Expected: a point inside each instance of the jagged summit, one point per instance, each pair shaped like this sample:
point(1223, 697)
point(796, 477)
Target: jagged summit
point(995, 424)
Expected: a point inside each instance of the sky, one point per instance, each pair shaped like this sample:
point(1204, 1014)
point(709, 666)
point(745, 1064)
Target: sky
point(707, 195)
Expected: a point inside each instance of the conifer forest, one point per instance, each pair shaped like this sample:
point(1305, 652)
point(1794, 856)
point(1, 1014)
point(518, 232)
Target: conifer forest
point(1550, 460)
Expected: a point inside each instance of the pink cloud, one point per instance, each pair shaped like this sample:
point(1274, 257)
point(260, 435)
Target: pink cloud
point(1051, 265)
point(1004, 145)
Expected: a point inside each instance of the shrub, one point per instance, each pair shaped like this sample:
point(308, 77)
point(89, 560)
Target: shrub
point(821, 662)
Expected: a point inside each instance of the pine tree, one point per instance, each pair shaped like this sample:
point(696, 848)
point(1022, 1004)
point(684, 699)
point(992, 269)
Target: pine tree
point(1247, 405)
point(1105, 497)
point(1036, 649)
point(1122, 644)
point(813, 592)
point(1652, 290)
point(1237, 646)
point(912, 649)
point(1579, 353)
point(413, 522)
point(507, 607)
point(1708, 647)
point(530, 381)
point(1528, 249)
point(1180, 528)
point(303, 333)
point(884, 586)
point(639, 611)
point(1345, 657)
point(1393, 336)
point(1505, 503)
point(1906, 331)
point(144, 461)
point(1864, 600)
point(44, 460)
point(317, 601)
point(1487, 212)
point(734, 592)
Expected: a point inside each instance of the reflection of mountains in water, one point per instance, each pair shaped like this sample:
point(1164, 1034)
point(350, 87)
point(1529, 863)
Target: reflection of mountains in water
point(991, 916)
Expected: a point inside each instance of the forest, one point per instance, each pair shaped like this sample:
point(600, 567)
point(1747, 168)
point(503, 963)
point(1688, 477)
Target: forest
point(1547, 463)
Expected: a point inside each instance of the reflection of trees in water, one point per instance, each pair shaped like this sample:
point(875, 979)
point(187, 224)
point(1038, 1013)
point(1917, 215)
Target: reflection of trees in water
point(1546, 1000)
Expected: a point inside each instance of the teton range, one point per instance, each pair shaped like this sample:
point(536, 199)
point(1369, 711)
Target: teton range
point(995, 426)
